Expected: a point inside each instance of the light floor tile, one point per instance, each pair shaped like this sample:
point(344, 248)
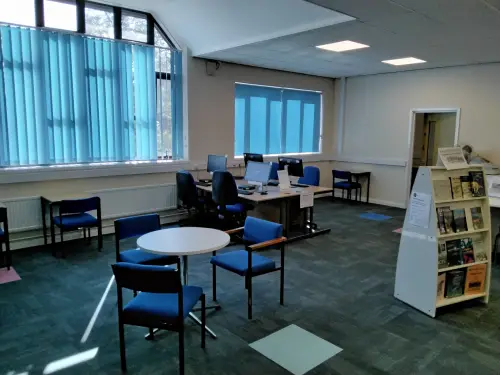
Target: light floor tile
point(295, 349)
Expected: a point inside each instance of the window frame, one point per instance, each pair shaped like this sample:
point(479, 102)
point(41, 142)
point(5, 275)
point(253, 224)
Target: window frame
point(283, 125)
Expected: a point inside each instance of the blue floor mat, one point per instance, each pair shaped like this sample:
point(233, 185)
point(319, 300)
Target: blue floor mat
point(374, 216)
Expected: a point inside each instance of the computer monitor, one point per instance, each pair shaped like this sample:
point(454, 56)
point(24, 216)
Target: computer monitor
point(258, 172)
point(253, 157)
point(216, 163)
point(295, 166)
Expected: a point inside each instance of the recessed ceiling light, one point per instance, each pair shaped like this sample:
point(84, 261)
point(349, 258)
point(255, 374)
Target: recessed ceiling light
point(404, 61)
point(345, 45)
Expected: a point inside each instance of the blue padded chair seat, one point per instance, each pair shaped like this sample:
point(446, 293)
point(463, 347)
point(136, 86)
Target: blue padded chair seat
point(234, 208)
point(76, 220)
point(137, 256)
point(347, 185)
point(156, 308)
point(237, 262)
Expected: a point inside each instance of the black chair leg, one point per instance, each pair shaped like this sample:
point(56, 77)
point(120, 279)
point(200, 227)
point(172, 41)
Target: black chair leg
point(151, 332)
point(214, 283)
point(99, 235)
point(249, 284)
point(8, 254)
point(282, 285)
point(181, 349)
point(203, 321)
point(122, 347)
point(53, 237)
point(63, 251)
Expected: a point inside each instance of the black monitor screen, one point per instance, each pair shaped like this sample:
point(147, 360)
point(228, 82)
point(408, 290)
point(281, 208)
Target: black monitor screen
point(216, 163)
point(295, 166)
point(253, 157)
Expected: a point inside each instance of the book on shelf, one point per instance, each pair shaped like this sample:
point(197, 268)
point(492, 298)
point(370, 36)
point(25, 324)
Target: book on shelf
point(456, 187)
point(467, 250)
point(474, 281)
point(442, 190)
point(477, 183)
point(459, 220)
point(441, 286)
point(466, 190)
point(477, 218)
point(455, 283)
point(454, 253)
point(445, 220)
point(480, 253)
point(442, 255)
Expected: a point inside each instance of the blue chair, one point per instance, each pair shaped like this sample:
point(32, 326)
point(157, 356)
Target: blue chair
point(274, 171)
point(164, 302)
point(74, 215)
point(347, 184)
point(136, 226)
point(225, 195)
point(311, 176)
point(4, 239)
point(258, 235)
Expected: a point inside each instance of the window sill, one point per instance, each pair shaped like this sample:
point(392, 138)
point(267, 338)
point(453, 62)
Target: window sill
point(307, 157)
point(33, 174)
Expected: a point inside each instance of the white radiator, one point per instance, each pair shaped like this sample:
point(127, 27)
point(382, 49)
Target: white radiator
point(25, 213)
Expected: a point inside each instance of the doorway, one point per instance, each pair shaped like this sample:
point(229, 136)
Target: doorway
point(430, 129)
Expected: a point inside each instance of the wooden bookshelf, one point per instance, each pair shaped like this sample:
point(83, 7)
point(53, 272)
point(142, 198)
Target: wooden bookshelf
point(417, 268)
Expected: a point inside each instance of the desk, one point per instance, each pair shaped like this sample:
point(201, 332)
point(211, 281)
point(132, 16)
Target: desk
point(184, 242)
point(367, 175)
point(51, 201)
point(284, 198)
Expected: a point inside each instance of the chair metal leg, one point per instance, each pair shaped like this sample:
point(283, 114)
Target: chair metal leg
point(214, 283)
point(53, 237)
point(63, 252)
point(181, 349)
point(8, 254)
point(249, 297)
point(282, 279)
point(203, 321)
point(151, 333)
point(99, 236)
point(122, 347)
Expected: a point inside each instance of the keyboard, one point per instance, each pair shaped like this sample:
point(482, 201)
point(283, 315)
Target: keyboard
point(299, 185)
point(202, 183)
point(245, 192)
point(246, 187)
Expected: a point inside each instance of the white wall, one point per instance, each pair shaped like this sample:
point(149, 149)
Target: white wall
point(444, 132)
point(377, 117)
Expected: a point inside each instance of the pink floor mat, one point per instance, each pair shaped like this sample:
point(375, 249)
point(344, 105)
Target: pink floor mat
point(7, 276)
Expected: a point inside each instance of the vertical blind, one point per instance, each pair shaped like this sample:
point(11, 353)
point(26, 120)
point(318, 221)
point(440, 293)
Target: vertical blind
point(67, 98)
point(270, 120)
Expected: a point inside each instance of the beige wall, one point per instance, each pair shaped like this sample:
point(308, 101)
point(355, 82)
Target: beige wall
point(210, 125)
point(377, 113)
point(444, 132)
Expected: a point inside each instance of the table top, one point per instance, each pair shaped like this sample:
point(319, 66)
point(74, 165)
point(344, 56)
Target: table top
point(274, 193)
point(183, 241)
point(361, 173)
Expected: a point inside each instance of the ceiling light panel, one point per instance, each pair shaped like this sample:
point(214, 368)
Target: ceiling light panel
point(346, 45)
point(404, 61)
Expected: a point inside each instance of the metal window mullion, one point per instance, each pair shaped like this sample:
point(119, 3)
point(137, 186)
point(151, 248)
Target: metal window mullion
point(246, 137)
point(268, 125)
point(301, 127)
point(283, 124)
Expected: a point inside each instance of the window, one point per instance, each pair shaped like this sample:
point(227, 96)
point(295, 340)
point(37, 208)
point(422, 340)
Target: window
point(85, 100)
point(60, 14)
point(270, 120)
point(134, 27)
point(20, 12)
point(99, 21)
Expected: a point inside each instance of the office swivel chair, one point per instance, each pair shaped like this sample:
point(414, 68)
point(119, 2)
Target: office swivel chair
point(311, 176)
point(225, 196)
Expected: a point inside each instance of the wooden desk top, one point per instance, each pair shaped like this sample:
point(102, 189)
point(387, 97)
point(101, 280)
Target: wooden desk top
point(274, 193)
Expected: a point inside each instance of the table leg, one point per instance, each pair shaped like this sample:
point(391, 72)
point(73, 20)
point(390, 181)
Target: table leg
point(368, 189)
point(44, 220)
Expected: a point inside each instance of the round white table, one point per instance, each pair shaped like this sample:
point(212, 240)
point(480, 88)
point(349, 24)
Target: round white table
point(183, 242)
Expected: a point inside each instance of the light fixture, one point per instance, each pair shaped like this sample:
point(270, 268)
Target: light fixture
point(404, 61)
point(346, 45)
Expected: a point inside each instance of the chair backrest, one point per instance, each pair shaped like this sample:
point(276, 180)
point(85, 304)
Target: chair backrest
point(274, 171)
point(258, 230)
point(342, 175)
point(224, 190)
point(77, 206)
point(142, 278)
point(311, 176)
point(4, 223)
point(187, 193)
point(3, 214)
point(136, 226)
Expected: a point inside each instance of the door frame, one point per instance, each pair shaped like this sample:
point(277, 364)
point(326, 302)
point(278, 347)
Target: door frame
point(411, 138)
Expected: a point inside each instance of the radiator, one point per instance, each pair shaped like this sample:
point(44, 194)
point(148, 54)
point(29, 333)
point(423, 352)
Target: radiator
point(25, 213)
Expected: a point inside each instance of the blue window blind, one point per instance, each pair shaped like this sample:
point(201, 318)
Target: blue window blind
point(66, 98)
point(271, 120)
